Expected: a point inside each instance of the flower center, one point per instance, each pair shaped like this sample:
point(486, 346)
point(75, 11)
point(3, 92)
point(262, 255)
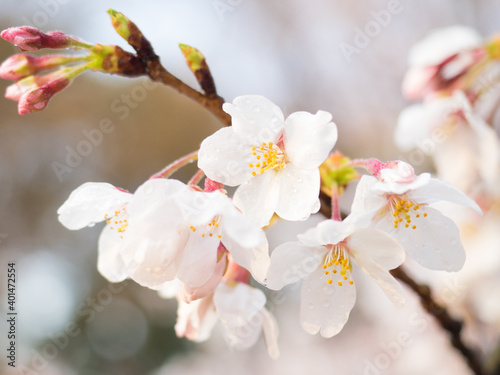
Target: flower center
point(118, 221)
point(267, 156)
point(210, 230)
point(405, 211)
point(337, 264)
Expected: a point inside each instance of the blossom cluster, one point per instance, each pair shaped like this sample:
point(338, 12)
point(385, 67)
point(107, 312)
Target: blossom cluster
point(204, 246)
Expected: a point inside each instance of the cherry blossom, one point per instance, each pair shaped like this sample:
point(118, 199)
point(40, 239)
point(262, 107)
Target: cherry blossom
point(240, 309)
point(464, 148)
point(179, 232)
point(274, 161)
point(398, 202)
point(440, 59)
point(324, 257)
point(94, 202)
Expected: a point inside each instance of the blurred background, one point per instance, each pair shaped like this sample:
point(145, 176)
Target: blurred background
point(71, 320)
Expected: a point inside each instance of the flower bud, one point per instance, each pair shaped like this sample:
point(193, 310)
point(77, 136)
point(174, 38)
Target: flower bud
point(120, 23)
point(36, 99)
point(20, 66)
point(31, 39)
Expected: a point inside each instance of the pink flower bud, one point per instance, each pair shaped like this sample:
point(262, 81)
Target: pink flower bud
point(31, 39)
point(36, 99)
point(20, 66)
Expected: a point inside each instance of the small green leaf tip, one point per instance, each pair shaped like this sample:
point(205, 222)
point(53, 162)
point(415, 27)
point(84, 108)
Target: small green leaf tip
point(194, 58)
point(120, 23)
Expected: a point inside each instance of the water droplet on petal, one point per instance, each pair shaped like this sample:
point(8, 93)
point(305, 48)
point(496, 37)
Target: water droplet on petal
point(91, 225)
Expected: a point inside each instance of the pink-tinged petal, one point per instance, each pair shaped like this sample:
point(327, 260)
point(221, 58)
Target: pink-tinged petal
point(298, 192)
point(224, 157)
point(247, 244)
point(419, 81)
point(14, 92)
point(327, 232)
point(256, 118)
point(109, 261)
point(404, 187)
point(196, 320)
point(325, 307)
point(437, 190)
point(258, 197)
point(376, 246)
point(270, 329)
point(190, 293)
point(309, 138)
point(292, 262)
point(89, 203)
point(434, 243)
point(198, 259)
point(443, 43)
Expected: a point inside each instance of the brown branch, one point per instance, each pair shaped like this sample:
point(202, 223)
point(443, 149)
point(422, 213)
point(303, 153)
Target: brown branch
point(449, 324)
point(145, 52)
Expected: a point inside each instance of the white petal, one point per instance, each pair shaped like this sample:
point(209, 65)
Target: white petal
point(437, 190)
point(254, 259)
point(366, 201)
point(402, 187)
point(224, 157)
point(309, 138)
point(196, 320)
point(376, 246)
point(169, 289)
point(435, 243)
point(376, 252)
point(417, 122)
point(443, 43)
point(237, 305)
point(89, 203)
point(387, 282)
point(298, 192)
point(292, 262)
point(258, 197)
point(270, 329)
point(199, 258)
point(327, 232)
point(109, 261)
point(153, 240)
point(240, 228)
point(190, 293)
point(256, 118)
point(325, 307)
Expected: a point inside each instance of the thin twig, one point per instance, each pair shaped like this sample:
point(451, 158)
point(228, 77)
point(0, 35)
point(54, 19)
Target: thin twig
point(212, 102)
point(449, 324)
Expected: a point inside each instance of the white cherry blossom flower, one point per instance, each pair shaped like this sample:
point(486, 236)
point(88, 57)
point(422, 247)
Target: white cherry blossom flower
point(184, 234)
point(464, 148)
point(94, 202)
point(398, 202)
point(274, 161)
point(324, 258)
point(439, 59)
point(240, 309)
